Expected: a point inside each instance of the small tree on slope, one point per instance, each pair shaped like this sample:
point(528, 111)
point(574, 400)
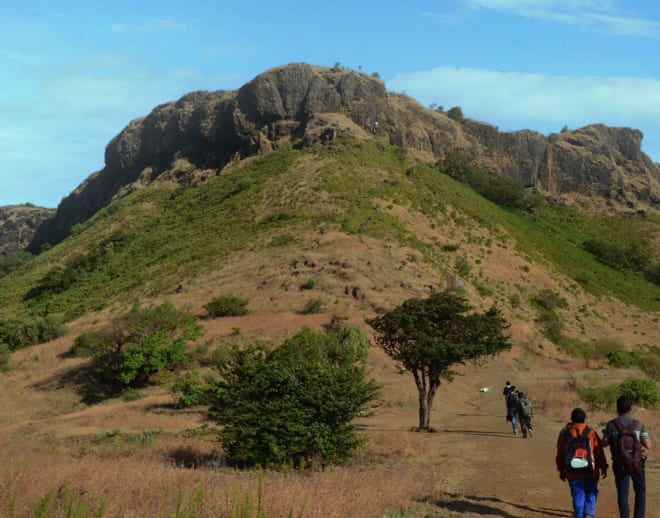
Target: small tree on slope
point(429, 336)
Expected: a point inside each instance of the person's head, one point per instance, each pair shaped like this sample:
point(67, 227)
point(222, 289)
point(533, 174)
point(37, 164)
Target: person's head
point(513, 388)
point(508, 383)
point(521, 394)
point(578, 415)
point(623, 405)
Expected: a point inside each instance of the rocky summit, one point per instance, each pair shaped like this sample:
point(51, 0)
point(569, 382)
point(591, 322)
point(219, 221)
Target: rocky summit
point(18, 224)
point(299, 104)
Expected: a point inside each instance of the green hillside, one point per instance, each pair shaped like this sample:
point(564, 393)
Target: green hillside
point(147, 243)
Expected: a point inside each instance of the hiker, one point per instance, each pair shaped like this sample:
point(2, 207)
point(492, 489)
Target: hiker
point(581, 459)
point(507, 389)
point(525, 412)
point(511, 403)
point(613, 436)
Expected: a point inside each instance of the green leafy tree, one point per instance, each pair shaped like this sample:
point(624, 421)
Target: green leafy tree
point(293, 406)
point(140, 344)
point(427, 337)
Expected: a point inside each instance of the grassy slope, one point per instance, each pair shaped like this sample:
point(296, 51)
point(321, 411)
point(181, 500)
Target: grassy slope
point(396, 227)
point(145, 244)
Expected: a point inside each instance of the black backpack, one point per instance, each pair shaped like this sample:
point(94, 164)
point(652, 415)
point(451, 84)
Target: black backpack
point(578, 457)
point(628, 447)
point(512, 400)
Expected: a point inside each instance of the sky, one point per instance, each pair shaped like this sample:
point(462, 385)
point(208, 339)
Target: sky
point(74, 73)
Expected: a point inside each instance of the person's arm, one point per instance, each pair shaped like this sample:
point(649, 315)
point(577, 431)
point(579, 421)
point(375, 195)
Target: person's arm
point(559, 457)
point(599, 453)
point(606, 441)
point(644, 438)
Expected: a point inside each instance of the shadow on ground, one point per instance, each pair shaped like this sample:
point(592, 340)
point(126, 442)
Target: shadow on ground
point(489, 506)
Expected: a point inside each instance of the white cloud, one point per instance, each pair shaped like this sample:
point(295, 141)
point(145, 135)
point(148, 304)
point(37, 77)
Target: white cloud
point(589, 15)
point(513, 100)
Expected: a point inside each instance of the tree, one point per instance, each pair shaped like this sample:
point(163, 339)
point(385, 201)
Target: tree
point(455, 114)
point(293, 405)
point(138, 345)
point(427, 337)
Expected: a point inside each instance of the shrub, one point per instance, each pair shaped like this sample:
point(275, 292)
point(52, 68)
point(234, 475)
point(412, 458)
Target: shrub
point(552, 326)
point(463, 266)
point(313, 307)
point(294, 405)
point(643, 391)
point(19, 332)
point(309, 285)
point(549, 300)
point(455, 113)
point(226, 306)
point(600, 398)
point(620, 358)
point(134, 347)
point(5, 355)
point(604, 347)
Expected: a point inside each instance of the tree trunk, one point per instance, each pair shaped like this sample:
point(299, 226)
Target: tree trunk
point(425, 394)
point(429, 403)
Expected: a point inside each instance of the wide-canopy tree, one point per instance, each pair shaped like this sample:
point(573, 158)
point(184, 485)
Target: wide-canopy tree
point(429, 336)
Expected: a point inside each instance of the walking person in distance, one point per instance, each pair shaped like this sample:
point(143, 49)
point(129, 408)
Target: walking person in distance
point(628, 440)
point(525, 412)
point(581, 461)
point(511, 403)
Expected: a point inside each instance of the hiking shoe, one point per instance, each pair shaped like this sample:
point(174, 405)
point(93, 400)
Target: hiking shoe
point(515, 431)
point(529, 432)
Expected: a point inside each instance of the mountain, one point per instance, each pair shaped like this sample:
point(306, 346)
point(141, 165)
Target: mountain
point(18, 225)
point(196, 137)
point(263, 193)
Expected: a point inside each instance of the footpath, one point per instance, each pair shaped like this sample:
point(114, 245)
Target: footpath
point(508, 476)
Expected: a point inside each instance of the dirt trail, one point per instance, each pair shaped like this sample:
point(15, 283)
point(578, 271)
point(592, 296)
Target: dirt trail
point(512, 477)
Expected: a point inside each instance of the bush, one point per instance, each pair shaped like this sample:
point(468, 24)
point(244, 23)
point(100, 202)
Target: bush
point(19, 332)
point(621, 359)
point(643, 391)
point(309, 285)
point(5, 355)
point(136, 346)
point(313, 307)
point(293, 406)
point(600, 398)
point(549, 300)
point(226, 306)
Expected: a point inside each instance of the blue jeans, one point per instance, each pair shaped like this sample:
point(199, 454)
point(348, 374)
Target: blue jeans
point(584, 492)
point(622, 480)
point(511, 413)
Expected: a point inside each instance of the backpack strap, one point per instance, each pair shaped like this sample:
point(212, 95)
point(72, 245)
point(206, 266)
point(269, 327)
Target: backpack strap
point(568, 429)
point(633, 426)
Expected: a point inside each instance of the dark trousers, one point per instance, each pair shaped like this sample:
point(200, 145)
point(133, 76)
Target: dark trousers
point(622, 480)
point(525, 424)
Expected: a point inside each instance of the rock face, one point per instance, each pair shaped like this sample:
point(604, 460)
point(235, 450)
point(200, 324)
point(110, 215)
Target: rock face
point(18, 224)
point(195, 137)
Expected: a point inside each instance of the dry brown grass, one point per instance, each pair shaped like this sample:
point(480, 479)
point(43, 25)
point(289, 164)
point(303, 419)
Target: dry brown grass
point(55, 444)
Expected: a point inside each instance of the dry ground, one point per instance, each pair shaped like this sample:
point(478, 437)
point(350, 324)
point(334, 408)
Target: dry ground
point(144, 458)
point(474, 466)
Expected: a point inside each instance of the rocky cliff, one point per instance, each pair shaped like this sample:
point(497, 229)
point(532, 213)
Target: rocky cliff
point(300, 104)
point(18, 225)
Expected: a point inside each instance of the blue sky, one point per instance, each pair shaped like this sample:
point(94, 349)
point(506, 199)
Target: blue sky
point(74, 73)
